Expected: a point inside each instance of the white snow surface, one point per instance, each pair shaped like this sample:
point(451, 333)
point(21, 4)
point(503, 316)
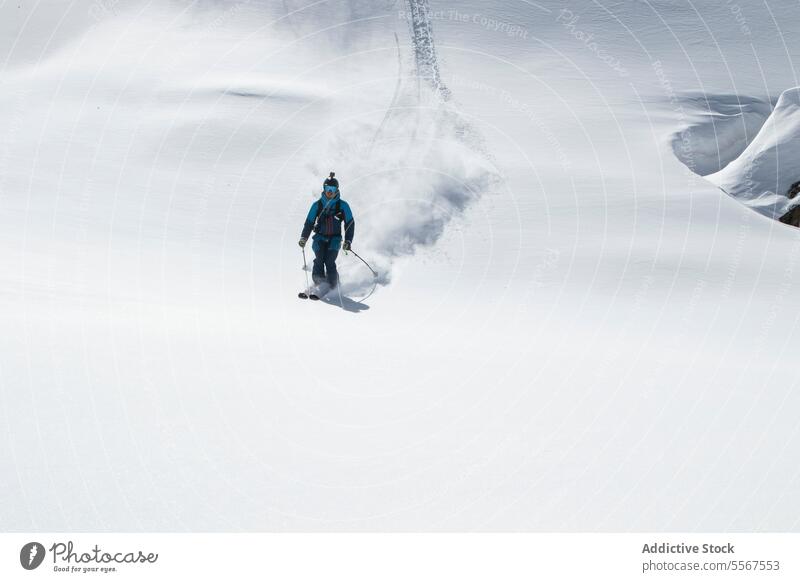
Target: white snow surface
point(571, 330)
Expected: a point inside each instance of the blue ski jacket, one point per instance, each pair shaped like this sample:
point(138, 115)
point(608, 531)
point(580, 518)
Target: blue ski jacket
point(326, 217)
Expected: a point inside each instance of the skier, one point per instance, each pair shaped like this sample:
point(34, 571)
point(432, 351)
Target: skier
point(325, 218)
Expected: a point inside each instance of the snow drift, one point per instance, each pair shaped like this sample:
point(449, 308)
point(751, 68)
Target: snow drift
point(762, 175)
point(719, 128)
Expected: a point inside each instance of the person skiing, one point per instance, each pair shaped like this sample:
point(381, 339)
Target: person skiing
point(325, 218)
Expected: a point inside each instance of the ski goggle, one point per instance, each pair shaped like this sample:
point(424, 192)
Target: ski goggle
point(330, 189)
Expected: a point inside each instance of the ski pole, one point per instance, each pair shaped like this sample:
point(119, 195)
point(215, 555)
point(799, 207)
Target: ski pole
point(305, 267)
point(374, 274)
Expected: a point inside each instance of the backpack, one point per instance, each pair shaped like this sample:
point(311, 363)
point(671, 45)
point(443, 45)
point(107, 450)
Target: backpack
point(337, 212)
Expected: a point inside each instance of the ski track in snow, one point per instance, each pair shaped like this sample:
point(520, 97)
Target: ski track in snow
point(443, 169)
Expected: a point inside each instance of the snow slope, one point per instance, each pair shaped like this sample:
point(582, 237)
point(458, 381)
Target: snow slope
point(571, 329)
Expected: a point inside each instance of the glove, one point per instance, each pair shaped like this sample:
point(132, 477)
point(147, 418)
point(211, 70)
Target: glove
point(302, 243)
point(346, 245)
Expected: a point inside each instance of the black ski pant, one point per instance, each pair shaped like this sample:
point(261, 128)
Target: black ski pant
point(325, 253)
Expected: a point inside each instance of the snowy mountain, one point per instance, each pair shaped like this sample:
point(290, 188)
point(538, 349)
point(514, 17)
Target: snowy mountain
point(573, 327)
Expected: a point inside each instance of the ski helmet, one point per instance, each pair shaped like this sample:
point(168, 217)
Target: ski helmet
point(331, 181)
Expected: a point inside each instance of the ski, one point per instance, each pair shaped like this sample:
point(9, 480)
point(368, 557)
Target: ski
point(315, 293)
